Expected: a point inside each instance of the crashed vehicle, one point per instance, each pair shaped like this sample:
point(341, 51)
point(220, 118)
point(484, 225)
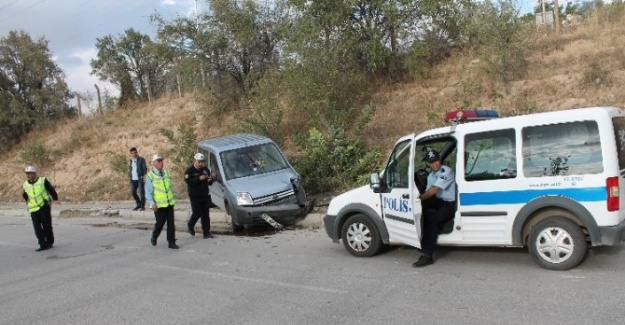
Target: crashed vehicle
point(253, 181)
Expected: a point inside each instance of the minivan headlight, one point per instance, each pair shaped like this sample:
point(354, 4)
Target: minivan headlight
point(244, 198)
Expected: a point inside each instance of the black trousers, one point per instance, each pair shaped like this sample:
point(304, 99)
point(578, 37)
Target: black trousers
point(42, 222)
point(435, 215)
point(163, 215)
point(200, 207)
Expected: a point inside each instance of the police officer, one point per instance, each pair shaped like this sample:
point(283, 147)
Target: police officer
point(160, 195)
point(439, 205)
point(198, 177)
point(39, 193)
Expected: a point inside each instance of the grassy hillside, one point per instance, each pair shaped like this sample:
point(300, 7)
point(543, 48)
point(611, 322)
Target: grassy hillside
point(584, 66)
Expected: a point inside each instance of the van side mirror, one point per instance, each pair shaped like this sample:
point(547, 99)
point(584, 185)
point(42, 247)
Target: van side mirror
point(375, 183)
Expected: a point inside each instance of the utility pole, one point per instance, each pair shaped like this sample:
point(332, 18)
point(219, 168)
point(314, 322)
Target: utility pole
point(78, 103)
point(100, 111)
point(556, 12)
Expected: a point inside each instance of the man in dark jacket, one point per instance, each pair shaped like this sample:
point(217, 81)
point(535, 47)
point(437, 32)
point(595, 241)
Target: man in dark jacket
point(198, 177)
point(39, 193)
point(136, 173)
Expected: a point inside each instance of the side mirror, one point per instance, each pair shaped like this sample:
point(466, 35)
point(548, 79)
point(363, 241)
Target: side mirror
point(375, 183)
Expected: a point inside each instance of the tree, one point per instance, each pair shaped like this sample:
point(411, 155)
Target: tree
point(33, 90)
point(370, 34)
point(497, 33)
point(227, 50)
point(131, 61)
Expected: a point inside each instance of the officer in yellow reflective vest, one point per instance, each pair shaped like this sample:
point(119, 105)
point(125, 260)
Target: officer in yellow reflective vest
point(160, 197)
point(39, 193)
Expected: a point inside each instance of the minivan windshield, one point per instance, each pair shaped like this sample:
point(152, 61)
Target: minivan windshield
point(254, 160)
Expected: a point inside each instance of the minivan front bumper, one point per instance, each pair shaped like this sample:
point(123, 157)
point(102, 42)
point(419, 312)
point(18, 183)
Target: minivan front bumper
point(283, 213)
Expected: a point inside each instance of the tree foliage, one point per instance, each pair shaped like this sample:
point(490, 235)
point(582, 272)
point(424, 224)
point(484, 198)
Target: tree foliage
point(227, 50)
point(132, 62)
point(498, 36)
point(32, 87)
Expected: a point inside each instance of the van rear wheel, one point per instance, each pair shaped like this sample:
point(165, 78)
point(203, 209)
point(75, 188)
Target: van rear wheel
point(360, 236)
point(557, 243)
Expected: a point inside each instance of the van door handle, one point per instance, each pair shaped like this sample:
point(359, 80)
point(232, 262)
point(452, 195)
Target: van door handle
point(405, 196)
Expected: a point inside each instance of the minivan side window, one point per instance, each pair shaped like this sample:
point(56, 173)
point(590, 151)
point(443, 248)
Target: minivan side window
point(490, 155)
point(562, 149)
point(214, 167)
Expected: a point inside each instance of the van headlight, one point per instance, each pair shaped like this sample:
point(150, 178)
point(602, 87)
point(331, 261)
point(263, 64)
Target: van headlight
point(244, 198)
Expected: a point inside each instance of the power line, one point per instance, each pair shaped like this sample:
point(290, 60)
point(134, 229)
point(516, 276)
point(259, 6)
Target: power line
point(8, 4)
point(13, 15)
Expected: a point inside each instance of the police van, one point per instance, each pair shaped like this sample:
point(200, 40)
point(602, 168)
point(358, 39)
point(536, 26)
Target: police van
point(548, 181)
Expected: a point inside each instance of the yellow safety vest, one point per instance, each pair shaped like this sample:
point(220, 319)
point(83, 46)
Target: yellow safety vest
point(161, 193)
point(37, 194)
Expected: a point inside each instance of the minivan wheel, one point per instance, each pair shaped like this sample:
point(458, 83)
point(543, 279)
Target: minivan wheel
point(235, 226)
point(557, 243)
point(360, 236)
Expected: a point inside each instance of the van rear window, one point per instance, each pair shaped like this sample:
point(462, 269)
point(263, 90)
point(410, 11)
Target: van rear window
point(562, 149)
point(619, 133)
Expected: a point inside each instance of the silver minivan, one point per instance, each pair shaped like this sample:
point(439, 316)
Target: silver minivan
point(252, 177)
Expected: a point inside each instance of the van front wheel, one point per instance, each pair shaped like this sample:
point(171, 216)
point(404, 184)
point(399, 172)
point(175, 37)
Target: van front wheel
point(360, 236)
point(557, 243)
point(235, 226)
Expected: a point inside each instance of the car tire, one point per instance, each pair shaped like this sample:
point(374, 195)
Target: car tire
point(235, 226)
point(557, 243)
point(360, 236)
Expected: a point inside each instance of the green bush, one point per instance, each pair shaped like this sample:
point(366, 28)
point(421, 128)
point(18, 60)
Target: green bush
point(118, 162)
point(183, 145)
point(34, 152)
point(333, 162)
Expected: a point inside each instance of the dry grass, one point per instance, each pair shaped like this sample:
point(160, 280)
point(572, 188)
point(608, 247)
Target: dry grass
point(562, 74)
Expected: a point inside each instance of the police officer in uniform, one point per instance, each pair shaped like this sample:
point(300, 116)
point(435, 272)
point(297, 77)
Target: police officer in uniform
point(198, 177)
point(160, 195)
point(39, 193)
point(439, 205)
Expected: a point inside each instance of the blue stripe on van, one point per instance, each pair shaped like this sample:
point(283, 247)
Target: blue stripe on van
point(587, 194)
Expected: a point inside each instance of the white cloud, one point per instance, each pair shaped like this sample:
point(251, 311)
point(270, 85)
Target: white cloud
point(169, 2)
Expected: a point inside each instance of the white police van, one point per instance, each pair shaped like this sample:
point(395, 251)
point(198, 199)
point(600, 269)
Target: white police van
point(548, 181)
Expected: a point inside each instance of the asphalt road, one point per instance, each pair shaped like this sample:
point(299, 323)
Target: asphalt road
point(112, 275)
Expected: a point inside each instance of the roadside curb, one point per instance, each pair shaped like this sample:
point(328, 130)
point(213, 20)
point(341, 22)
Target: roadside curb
point(119, 210)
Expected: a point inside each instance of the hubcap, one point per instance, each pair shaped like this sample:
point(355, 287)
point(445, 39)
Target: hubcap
point(359, 237)
point(555, 245)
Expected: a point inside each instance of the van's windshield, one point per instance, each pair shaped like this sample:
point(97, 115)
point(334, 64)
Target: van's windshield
point(260, 159)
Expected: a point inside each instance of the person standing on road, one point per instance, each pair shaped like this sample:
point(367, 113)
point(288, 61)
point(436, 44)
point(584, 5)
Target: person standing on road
point(160, 195)
point(198, 177)
point(39, 193)
point(137, 169)
point(439, 202)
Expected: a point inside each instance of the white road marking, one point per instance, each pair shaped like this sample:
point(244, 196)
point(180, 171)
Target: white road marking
point(257, 280)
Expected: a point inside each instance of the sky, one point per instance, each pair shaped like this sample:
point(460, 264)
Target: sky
point(72, 26)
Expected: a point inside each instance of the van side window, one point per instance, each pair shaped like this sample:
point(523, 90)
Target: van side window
point(214, 167)
point(490, 155)
point(396, 171)
point(562, 149)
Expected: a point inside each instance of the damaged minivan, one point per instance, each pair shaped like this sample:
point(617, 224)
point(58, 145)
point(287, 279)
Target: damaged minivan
point(252, 180)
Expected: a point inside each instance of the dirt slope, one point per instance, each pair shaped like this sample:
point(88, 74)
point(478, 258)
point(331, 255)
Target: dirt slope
point(584, 67)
